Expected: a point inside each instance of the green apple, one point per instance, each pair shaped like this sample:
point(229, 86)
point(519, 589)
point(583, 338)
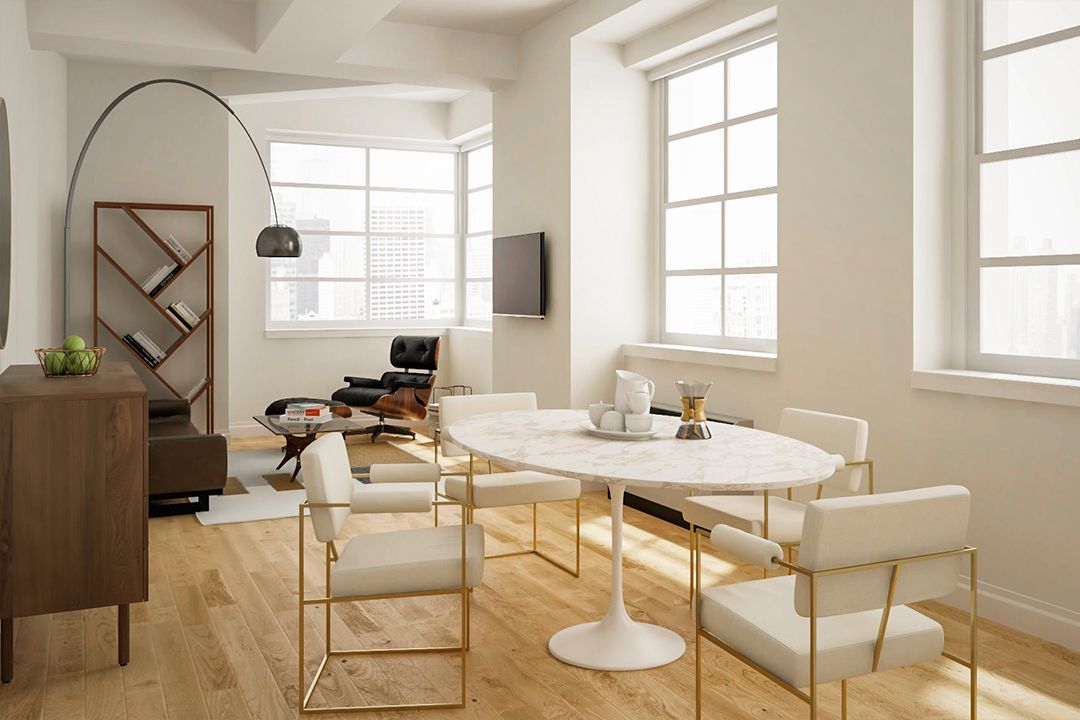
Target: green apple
point(74, 342)
point(54, 363)
point(79, 362)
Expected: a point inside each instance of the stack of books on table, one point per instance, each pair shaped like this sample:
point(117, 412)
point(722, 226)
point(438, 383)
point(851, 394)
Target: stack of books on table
point(160, 278)
point(180, 250)
point(307, 413)
point(147, 349)
point(181, 313)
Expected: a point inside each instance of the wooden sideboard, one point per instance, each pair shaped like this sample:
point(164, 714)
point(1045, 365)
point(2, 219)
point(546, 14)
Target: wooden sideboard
point(73, 496)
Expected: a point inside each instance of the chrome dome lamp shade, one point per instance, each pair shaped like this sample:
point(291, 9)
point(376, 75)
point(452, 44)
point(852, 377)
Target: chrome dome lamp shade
point(278, 241)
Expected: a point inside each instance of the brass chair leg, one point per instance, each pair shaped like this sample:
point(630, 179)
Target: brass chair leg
point(973, 620)
point(696, 542)
point(843, 700)
point(691, 566)
point(813, 648)
point(327, 599)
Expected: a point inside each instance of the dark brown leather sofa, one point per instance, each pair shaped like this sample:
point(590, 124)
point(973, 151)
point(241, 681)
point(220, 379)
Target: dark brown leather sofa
point(184, 463)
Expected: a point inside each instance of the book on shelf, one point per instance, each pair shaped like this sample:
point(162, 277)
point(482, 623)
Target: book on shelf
point(156, 276)
point(178, 318)
point(140, 351)
point(186, 312)
point(180, 250)
point(165, 280)
point(151, 346)
point(195, 391)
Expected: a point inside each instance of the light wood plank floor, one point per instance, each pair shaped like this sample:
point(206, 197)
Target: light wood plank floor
point(217, 639)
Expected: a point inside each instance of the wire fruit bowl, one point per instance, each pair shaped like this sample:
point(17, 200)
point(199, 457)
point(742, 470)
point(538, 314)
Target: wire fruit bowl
point(58, 362)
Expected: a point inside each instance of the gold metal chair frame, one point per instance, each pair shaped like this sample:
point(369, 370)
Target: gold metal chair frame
point(811, 698)
point(470, 510)
point(328, 600)
point(765, 521)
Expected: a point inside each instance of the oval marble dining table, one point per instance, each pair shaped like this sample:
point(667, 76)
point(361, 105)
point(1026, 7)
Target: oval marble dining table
point(555, 442)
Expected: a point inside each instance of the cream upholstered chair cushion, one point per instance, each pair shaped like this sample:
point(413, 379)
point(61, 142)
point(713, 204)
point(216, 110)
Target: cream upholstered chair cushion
point(758, 619)
point(747, 513)
point(767, 620)
point(396, 498)
point(500, 489)
point(845, 437)
point(840, 532)
point(837, 434)
point(416, 560)
point(514, 488)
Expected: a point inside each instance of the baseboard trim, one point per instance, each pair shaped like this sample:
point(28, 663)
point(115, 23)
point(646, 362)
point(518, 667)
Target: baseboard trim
point(1044, 620)
point(246, 429)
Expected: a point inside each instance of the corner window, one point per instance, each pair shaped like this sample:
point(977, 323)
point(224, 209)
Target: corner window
point(719, 201)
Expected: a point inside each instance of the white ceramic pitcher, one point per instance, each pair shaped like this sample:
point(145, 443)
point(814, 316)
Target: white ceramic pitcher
point(627, 382)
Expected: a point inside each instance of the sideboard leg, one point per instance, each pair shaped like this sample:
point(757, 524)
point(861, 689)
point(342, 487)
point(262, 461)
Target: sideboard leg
point(7, 648)
point(123, 633)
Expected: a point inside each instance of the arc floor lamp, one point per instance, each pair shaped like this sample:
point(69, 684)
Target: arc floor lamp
point(275, 240)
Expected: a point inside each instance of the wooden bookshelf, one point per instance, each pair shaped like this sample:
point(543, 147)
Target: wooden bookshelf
point(201, 257)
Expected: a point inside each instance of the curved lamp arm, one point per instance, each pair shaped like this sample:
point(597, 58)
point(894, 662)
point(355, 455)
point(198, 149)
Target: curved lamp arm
point(86, 146)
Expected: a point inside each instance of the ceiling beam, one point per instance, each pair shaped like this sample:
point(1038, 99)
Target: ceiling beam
point(222, 36)
point(322, 29)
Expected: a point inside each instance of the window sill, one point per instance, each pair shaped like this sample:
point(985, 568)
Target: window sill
point(319, 333)
point(478, 329)
point(1028, 388)
point(739, 359)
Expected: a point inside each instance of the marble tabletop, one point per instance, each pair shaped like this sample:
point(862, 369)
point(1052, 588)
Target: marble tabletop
point(553, 441)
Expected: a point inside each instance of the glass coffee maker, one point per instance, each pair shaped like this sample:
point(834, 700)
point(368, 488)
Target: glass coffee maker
point(692, 393)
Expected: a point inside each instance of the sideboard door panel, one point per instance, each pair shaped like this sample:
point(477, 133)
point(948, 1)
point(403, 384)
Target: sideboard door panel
point(78, 530)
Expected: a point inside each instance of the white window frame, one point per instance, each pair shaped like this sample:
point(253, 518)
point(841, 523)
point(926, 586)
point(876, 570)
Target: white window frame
point(370, 144)
point(720, 341)
point(463, 181)
point(975, 56)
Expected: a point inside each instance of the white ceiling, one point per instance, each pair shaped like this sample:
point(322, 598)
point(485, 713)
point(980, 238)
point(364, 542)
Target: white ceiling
point(430, 50)
point(503, 17)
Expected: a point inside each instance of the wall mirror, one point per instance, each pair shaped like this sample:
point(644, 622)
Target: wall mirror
point(5, 225)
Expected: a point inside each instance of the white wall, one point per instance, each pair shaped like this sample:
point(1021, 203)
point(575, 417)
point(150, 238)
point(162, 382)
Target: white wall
point(468, 352)
point(531, 120)
point(166, 144)
point(611, 216)
point(266, 368)
point(33, 85)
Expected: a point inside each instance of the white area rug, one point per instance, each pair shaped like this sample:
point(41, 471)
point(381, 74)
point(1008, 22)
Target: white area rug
point(261, 501)
point(266, 493)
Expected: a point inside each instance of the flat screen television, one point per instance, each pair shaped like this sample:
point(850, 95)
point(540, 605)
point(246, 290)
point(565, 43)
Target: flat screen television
point(518, 276)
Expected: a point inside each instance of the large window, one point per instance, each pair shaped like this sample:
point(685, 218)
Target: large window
point(380, 235)
point(1024, 176)
point(719, 193)
point(478, 224)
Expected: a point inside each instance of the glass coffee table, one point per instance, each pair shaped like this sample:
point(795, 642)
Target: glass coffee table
point(299, 435)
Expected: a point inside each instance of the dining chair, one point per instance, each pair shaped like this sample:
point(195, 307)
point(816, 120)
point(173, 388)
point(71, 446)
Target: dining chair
point(781, 519)
point(506, 489)
point(846, 610)
point(417, 562)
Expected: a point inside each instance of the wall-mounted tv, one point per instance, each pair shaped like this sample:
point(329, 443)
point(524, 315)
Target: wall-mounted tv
point(518, 276)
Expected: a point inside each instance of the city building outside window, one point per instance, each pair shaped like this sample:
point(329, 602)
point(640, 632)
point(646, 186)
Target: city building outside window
point(380, 236)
